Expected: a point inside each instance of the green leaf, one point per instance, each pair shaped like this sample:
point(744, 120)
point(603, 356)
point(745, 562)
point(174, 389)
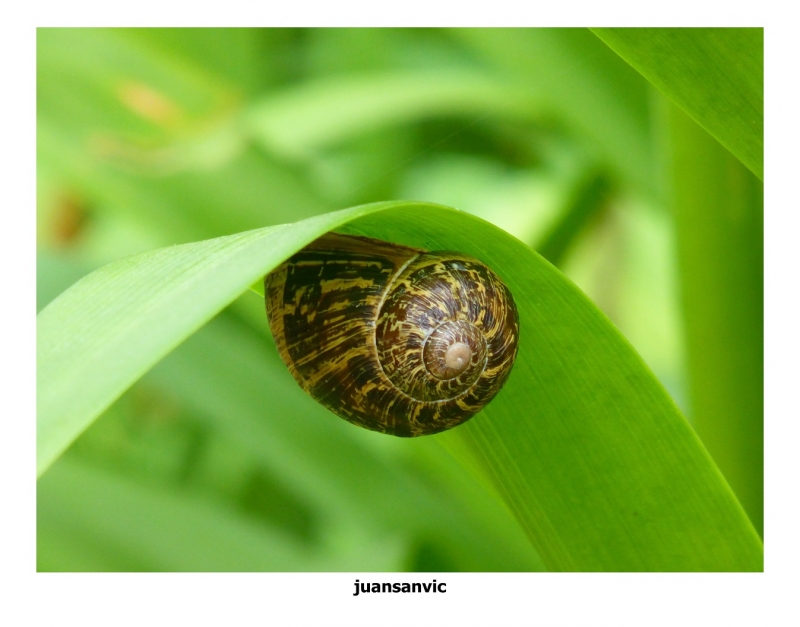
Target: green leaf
point(229, 377)
point(583, 444)
point(106, 331)
point(719, 215)
point(716, 75)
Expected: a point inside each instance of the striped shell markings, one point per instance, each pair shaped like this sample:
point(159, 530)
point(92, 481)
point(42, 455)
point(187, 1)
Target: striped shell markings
point(392, 338)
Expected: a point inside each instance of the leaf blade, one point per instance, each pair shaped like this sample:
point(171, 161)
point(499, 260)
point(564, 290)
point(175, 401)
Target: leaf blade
point(718, 208)
point(578, 401)
point(80, 375)
point(715, 75)
point(581, 435)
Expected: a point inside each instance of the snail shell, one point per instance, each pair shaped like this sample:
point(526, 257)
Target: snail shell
point(392, 338)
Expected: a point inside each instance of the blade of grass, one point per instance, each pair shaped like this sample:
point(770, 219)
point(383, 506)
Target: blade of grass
point(718, 205)
point(584, 444)
point(716, 75)
point(156, 299)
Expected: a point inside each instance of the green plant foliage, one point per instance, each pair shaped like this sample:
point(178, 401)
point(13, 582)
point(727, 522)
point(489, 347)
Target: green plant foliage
point(715, 75)
point(319, 114)
point(603, 100)
point(720, 216)
point(123, 318)
point(626, 457)
point(176, 166)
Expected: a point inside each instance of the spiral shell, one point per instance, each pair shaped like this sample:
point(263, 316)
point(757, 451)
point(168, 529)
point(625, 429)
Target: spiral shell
point(392, 338)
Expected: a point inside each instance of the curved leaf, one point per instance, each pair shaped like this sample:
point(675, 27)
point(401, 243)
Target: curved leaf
point(584, 445)
point(97, 338)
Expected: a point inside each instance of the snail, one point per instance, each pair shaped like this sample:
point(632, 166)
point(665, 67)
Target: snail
point(392, 338)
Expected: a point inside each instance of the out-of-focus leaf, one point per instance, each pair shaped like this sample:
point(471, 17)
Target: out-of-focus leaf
point(121, 93)
point(342, 51)
point(301, 120)
point(150, 529)
point(147, 135)
point(720, 226)
point(716, 75)
point(239, 56)
point(582, 86)
point(588, 197)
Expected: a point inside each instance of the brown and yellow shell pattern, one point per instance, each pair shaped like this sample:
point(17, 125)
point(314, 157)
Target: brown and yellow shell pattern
point(392, 338)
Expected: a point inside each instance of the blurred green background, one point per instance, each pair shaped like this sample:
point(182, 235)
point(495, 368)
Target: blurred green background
point(216, 460)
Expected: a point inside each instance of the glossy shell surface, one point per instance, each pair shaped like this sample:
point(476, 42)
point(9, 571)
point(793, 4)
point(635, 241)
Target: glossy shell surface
point(392, 338)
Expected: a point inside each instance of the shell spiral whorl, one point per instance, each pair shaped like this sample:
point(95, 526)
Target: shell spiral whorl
point(392, 338)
